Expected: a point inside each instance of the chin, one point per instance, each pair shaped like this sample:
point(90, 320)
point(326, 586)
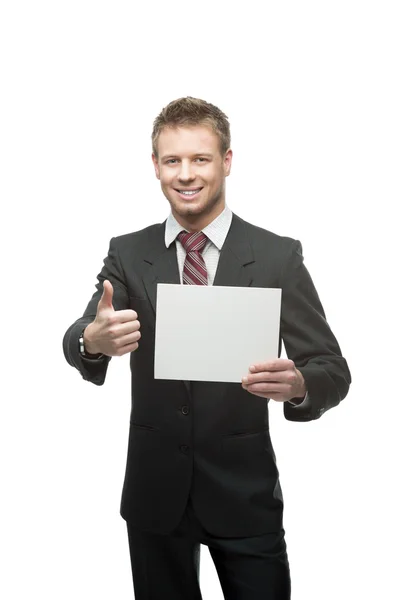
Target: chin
point(187, 208)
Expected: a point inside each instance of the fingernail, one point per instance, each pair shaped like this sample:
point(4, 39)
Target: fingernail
point(245, 379)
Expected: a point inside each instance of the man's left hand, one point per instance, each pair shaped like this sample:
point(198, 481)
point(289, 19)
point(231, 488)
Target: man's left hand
point(277, 379)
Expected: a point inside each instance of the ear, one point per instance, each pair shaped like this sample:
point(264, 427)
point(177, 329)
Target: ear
point(156, 165)
point(228, 157)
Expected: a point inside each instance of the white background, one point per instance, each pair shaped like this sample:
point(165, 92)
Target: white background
point(310, 89)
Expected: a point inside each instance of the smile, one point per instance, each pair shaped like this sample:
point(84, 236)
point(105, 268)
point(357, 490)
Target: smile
point(188, 193)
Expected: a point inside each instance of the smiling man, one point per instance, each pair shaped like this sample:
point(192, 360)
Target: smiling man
point(201, 467)
point(192, 167)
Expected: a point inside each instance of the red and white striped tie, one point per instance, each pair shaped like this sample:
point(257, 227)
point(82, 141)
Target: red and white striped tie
point(194, 270)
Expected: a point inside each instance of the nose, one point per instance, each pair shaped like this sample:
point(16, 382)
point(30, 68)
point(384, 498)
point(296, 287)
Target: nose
point(186, 172)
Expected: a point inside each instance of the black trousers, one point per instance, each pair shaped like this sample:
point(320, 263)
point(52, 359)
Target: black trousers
point(166, 567)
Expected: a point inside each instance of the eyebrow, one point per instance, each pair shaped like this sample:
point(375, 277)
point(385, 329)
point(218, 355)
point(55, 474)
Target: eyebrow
point(204, 154)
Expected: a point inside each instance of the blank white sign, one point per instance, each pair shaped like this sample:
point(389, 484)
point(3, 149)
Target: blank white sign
point(214, 333)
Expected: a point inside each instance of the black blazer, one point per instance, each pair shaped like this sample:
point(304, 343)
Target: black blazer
point(211, 440)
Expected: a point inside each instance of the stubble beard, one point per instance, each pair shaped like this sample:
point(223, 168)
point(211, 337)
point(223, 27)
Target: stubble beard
point(192, 213)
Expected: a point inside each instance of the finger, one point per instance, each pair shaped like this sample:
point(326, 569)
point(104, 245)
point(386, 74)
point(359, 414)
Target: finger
point(107, 295)
point(278, 364)
point(125, 316)
point(129, 339)
point(119, 330)
point(272, 396)
point(268, 376)
point(268, 388)
point(127, 349)
point(128, 327)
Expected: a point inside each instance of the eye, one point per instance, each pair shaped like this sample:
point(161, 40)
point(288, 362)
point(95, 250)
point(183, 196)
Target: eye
point(201, 159)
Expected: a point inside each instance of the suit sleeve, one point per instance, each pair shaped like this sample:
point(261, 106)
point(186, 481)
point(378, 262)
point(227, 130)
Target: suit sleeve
point(95, 370)
point(309, 342)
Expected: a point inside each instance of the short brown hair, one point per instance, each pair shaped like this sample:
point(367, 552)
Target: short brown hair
point(192, 111)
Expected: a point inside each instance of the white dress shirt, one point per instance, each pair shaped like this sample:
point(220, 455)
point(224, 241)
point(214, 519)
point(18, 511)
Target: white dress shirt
point(216, 232)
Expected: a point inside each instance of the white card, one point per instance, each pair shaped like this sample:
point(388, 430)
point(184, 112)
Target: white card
point(214, 333)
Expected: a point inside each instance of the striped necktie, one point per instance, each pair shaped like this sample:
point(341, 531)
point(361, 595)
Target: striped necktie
point(194, 270)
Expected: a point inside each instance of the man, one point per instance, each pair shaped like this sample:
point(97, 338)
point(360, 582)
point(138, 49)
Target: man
point(200, 466)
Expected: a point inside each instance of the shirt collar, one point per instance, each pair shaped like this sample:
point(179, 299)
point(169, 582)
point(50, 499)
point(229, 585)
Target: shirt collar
point(216, 231)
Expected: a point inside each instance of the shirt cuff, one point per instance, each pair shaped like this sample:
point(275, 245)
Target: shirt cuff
point(299, 403)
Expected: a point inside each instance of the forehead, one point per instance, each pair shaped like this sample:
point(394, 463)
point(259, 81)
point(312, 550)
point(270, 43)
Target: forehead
point(194, 139)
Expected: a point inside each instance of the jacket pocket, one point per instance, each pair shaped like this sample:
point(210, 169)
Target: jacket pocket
point(143, 426)
point(251, 442)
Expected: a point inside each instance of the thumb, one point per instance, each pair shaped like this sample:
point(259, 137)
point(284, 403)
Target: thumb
point(106, 298)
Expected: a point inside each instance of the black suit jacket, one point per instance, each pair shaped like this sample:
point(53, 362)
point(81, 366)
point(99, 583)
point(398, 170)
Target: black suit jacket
point(211, 440)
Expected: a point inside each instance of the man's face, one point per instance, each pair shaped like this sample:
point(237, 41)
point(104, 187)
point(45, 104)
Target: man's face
point(192, 173)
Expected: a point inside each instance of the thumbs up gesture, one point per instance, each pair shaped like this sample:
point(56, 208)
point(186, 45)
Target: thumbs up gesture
point(113, 332)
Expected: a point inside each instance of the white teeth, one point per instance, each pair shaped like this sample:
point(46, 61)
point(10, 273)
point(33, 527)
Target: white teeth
point(189, 193)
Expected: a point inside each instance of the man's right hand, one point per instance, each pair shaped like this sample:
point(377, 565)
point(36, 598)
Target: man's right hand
point(113, 332)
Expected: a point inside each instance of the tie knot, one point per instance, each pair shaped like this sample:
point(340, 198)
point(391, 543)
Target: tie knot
point(192, 242)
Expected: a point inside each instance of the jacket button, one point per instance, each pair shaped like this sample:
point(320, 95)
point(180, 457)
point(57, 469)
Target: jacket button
point(184, 449)
point(185, 410)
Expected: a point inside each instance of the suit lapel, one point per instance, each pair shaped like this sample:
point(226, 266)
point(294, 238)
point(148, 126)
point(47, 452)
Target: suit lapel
point(235, 257)
point(162, 263)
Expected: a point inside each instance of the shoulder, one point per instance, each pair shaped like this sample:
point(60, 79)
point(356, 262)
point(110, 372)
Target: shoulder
point(131, 249)
point(142, 237)
point(261, 238)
